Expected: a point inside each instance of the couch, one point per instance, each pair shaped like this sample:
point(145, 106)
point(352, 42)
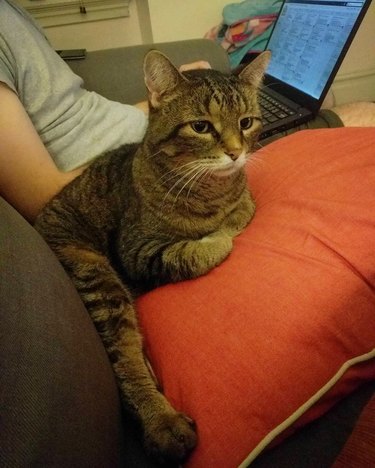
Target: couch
point(59, 402)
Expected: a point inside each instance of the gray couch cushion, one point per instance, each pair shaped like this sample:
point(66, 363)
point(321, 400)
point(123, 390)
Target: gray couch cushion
point(117, 74)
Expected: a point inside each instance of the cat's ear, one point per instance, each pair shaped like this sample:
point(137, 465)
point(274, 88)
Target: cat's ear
point(161, 76)
point(254, 72)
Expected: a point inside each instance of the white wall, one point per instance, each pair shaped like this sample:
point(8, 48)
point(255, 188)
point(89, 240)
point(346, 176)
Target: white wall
point(150, 21)
point(356, 78)
point(184, 19)
point(98, 35)
point(361, 55)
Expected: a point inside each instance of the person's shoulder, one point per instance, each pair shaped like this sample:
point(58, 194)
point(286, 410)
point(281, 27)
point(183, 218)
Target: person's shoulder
point(12, 15)
point(9, 13)
point(7, 7)
point(5, 13)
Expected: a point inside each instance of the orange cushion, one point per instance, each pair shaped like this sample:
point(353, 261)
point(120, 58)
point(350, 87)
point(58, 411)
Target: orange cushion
point(285, 327)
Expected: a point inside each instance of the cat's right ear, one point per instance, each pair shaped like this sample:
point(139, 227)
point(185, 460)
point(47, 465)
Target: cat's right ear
point(254, 72)
point(161, 76)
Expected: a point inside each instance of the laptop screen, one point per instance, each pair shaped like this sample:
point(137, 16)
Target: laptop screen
point(308, 39)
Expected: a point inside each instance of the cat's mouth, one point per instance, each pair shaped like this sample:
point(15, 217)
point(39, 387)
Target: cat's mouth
point(228, 167)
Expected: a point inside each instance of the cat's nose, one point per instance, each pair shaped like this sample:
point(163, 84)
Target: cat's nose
point(233, 153)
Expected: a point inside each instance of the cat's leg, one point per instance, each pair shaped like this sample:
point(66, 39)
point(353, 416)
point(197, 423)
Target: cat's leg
point(192, 258)
point(239, 218)
point(168, 434)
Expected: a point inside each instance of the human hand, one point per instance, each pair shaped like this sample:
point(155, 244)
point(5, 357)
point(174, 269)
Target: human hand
point(202, 64)
point(143, 106)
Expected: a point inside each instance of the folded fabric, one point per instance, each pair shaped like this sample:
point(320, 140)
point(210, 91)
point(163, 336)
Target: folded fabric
point(245, 31)
point(235, 12)
point(245, 27)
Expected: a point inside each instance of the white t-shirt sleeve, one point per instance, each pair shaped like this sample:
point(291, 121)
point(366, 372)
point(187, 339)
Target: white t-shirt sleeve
point(74, 124)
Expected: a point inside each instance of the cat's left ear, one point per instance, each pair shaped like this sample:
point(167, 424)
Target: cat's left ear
point(161, 76)
point(254, 72)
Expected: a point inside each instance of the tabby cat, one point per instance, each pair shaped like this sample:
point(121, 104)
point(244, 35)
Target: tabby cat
point(162, 211)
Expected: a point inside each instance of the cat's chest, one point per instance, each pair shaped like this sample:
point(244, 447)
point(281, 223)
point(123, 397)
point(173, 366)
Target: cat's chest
point(185, 212)
point(187, 221)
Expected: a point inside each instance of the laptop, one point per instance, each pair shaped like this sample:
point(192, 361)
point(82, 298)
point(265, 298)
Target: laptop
point(308, 43)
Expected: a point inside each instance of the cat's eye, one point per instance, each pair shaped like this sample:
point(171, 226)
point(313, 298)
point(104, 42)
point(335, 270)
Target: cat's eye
point(246, 123)
point(201, 126)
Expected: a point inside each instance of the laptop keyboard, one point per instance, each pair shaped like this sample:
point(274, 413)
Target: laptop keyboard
point(272, 110)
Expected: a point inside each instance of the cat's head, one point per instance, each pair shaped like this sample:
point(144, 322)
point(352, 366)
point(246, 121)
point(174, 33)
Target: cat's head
point(203, 115)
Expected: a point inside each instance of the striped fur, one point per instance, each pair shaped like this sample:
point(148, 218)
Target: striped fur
point(163, 211)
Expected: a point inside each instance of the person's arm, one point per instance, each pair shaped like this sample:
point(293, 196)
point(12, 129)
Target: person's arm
point(28, 175)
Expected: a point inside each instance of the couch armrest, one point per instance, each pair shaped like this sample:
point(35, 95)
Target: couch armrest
point(117, 73)
point(59, 401)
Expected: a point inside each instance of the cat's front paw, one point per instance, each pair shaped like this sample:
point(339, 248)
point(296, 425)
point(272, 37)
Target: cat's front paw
point(170, 437)
point(216, 248)
point(239, 218)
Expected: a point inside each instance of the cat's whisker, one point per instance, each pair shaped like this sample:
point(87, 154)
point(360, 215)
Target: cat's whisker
point(186, 167)
point(199, 176)
point(198, 179)
point(264, 150)
point(269, 85)
point(197, 171)
point(187, 174)
point(170, 175)
point(177, 172)
point(259, 145)
point(256, 161)
point(154, 154)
